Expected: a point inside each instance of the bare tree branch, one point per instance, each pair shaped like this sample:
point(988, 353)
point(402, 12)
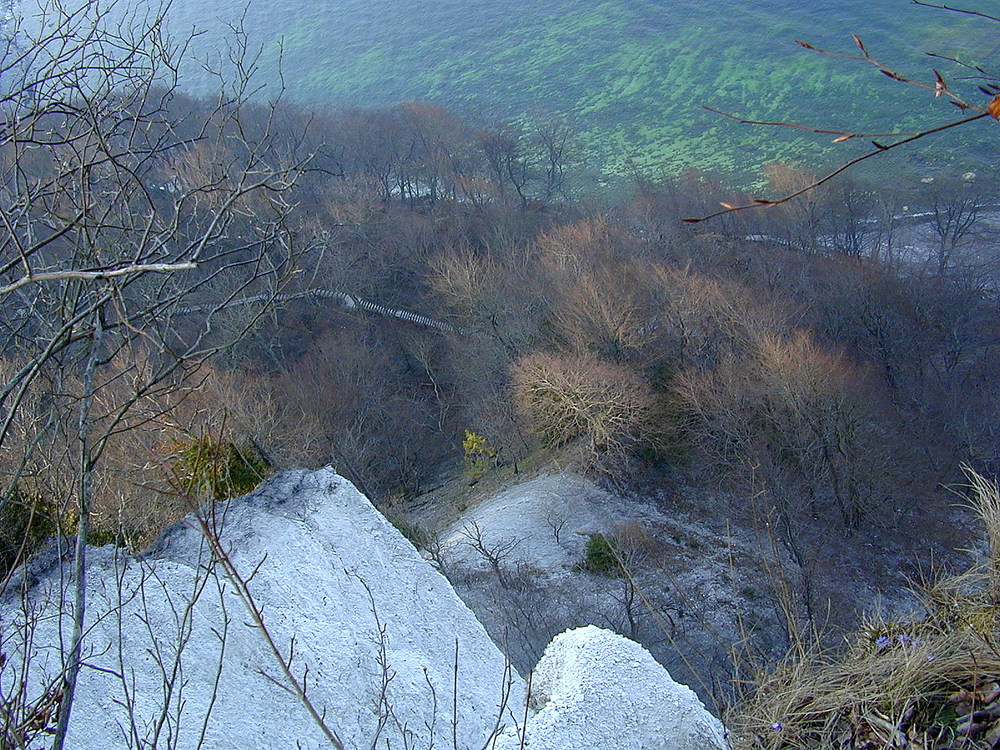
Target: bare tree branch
point(879, 149)
point(939, 87)
point(846, 134)
point(41, 278)
point(957, 10)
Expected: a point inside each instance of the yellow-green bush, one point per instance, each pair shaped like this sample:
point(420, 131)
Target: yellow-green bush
point(207, 469)
point(478, 455)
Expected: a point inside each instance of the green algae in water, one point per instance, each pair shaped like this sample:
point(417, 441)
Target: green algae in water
point(632, 74)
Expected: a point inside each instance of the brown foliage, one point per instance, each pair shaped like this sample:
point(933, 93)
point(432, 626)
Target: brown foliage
point(704, 319)
point(606, 310)
point(132, 498)
point(582, 244)
point(804, 416)
point(602, 299)
point(994, 107)
point(355, 405)
point(603, 408)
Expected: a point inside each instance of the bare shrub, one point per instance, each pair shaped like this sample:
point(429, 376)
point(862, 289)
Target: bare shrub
point(702, 319)
point(601, 298)
point(581, 244)
point(636, 542)
point(608, 309)
point(495, 551)
point(604, 408)
point(805, 414)
point(468, 281)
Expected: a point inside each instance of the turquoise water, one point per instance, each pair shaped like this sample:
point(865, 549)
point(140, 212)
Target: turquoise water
point(630, 75)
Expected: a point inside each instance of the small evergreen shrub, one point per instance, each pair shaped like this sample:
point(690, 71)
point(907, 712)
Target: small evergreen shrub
point(412, 531)
point(602, 556)
point(99, 534)
point(26, 521)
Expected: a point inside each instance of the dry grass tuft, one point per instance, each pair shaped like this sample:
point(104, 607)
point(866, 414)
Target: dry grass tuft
point(927, 684)
point(984, 499)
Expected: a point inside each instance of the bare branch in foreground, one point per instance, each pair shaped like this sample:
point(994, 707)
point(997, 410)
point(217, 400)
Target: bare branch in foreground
point(957, 10)
point(879, 149)
point(295, 686)
point(843, 135)
point(939, 87)
point(107, 273)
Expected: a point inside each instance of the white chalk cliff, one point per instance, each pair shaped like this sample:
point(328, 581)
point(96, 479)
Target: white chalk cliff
point(171, 654)
point(173, 659)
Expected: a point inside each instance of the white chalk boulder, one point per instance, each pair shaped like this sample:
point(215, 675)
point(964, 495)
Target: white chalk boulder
point(173, 658)
point(595, 689)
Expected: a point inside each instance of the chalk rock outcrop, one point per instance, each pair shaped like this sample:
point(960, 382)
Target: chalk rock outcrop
point(172, 655)
point(593, 688)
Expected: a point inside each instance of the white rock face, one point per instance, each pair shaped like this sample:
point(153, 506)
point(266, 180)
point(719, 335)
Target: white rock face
point(172, 656)
point(595, 689)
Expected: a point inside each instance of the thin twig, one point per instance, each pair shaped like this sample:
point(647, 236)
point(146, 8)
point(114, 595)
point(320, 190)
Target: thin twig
point(957, 10)
point(527, 702)
point(939, 87)
point(454, 701)
point(845, 134)
point(879, 149)
point(243, 592)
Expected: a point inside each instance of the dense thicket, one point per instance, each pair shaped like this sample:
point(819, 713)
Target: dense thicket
point(836, 349)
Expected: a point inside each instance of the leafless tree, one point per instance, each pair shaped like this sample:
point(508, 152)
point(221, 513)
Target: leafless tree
point(955, 216)
point(847, 224)
point(556, 140)
point(508, 159)
point(494, 552)
point(119, 209)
